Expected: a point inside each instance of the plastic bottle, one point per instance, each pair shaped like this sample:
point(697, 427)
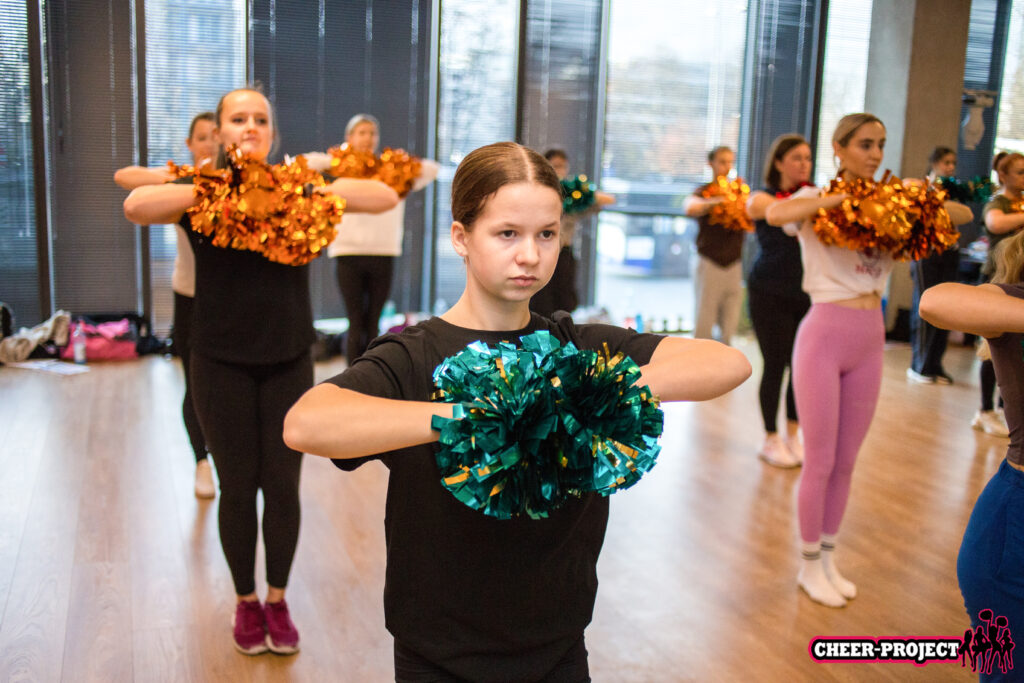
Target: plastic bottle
point(78, 342)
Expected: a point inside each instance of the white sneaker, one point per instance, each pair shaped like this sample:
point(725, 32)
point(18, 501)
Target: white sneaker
point(795, 444)
point(990, 422)
point(776, 453)
point(915, 376)
point(205, 487)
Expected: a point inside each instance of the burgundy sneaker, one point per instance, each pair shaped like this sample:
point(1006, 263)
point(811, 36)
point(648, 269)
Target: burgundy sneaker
point(282, 636)
point(250, 627)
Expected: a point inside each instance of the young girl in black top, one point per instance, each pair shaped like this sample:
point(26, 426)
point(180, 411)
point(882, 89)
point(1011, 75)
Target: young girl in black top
point(253, 328)
point(777, 300)
point(469, 596)
point(202, 143)
point(992, 552)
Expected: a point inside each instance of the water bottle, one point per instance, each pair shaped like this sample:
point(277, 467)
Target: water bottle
point(639, 322)
point(387, 315)
point(78, 342)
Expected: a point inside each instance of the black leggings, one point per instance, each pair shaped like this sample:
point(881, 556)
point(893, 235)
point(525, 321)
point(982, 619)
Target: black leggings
point(776, 319)
point(929, 342)
point(364, 282)
point(182, 333)
point(242, 410)
point(411, 667)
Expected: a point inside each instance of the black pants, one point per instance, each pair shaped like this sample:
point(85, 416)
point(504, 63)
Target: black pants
point(242, 408)
point(775, 319)
point(364, 282)
point(410, 667)
point(559, 294)
point(929, 342)
point(182, 333)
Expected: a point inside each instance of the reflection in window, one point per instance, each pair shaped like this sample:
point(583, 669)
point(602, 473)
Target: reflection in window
point(18, 263)
point(477, 107)
point(675, 73)
point(845, 76)
point(195, 52)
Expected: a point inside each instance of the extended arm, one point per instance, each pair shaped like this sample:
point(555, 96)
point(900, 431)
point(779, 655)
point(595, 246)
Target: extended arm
point(364, 196)
point(157, 204)
point(958, 213)
point(758, 204)
point(131, 177)
point(999, 222)
point(799, 209)
point(428, 174)
point(694, 206)
point(341, 423)
point(984, 310)
point(694, 369)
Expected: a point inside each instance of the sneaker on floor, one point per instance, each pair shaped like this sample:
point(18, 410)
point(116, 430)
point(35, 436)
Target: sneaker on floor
point(777, 454)
point(249, 625)
point(795, 444)
point(943, 378)
point(989, 422)
point(915, 376)
point(282, 636)
point(205, 487)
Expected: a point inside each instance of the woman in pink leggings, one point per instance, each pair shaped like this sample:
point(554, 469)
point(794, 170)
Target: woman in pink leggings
point(837, 357)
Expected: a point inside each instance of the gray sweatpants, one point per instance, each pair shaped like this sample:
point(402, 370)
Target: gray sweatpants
point(719, 294)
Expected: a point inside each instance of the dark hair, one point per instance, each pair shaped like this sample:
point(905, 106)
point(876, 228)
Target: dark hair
point(201, 116)
point(997, 159)
point(714, 152)
point(256, 88)
point(1005, 160)
point(779, 149)
point(556, 152)
point(938, 154)
point(487, 169)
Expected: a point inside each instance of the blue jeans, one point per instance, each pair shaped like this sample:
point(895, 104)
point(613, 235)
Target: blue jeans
point(990, 566)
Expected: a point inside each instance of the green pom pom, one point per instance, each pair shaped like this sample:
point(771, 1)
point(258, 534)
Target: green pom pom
point(577, 194)
point(976, 190)
point(537, 424)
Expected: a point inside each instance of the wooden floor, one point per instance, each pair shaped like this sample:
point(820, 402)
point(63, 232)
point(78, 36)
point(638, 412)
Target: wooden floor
point(110, 569)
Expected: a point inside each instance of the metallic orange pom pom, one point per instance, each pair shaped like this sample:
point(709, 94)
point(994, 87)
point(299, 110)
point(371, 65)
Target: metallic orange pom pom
point(395, 168)
point(731, 212)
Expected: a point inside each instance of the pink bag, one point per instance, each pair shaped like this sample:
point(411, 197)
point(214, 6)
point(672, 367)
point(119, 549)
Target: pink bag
point(105, 341)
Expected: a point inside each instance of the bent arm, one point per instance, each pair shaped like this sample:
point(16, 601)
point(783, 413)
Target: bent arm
point(694, 369)
point(131, 177)
point(694, 206)
point(364, 196)
point(958, 213)
point(758, 204)
point(984, 310)
point(999, 223)
point(428, 174)
point(340, 423)
point(156, 204)
point(799, 209)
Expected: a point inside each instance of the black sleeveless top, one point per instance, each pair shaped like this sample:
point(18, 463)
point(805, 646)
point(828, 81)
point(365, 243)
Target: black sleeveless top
point(777, 268)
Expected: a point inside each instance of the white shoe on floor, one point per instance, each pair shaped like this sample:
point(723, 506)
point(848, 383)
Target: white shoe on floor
point(990, 422)
point(205, 487)
point(776, 453)
point(915, 376)
point(795, 444)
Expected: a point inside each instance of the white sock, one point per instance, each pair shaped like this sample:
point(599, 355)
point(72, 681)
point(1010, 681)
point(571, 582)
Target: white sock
point(812, 577)
point(828, 560)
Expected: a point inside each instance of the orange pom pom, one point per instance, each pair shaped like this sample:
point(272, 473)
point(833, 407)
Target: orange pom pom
point(731, 212)
point(271, 210)
point(394, 167)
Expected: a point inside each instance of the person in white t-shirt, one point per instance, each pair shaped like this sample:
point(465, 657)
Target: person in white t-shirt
point(837, 357)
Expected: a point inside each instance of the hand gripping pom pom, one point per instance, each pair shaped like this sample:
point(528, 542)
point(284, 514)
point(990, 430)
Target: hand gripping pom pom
point(396, 168)
point(731, 212)
point(271, 210)
point(905, 221)
point(537, 424)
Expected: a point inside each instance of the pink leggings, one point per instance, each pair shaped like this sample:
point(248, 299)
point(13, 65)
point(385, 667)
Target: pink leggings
point(837, 373)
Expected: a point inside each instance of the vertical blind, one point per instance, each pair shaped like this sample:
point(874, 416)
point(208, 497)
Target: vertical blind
point(19, 272)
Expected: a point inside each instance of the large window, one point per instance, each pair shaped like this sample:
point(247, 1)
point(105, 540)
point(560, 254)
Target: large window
point(845, 76)
point(19, 273)
point(675, 72)
point(1010, 127)
point(477, 107)
point(195, 52)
